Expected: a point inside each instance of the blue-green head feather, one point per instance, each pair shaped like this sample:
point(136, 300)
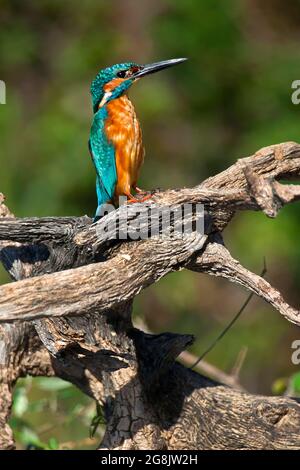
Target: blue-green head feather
point(107, 75)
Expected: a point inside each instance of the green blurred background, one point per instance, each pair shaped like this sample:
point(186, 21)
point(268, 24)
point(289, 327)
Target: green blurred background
point(231, 98)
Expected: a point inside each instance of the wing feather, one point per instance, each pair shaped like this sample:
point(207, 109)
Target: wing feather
point(103, 156)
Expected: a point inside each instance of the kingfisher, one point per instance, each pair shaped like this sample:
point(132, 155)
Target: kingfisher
point(115, 142)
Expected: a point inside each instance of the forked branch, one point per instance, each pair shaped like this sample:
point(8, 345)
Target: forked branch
point(75, 283)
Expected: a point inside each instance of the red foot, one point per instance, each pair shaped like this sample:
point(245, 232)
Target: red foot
point(145, 198)
point(132, 199)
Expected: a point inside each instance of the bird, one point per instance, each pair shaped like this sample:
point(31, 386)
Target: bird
point(115, 142)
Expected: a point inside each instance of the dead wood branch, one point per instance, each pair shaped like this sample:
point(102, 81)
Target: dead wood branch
point(77, 300)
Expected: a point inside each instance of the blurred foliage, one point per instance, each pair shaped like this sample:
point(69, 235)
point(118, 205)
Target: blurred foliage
point(48, 411)
point(232, 97)
point(287, 385)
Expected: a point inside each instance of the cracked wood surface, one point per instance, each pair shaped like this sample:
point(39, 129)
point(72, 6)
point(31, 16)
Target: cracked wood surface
point(79, 320)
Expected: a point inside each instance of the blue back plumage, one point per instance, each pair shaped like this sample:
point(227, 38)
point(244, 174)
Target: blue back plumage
point(103, 155)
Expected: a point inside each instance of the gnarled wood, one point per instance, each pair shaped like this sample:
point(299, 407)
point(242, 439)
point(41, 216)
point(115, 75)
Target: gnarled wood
point(77, 301)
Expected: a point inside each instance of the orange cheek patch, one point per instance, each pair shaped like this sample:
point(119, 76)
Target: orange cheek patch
point(110, 86)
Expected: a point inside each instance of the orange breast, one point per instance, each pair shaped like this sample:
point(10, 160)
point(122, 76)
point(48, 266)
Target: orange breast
point(123, 130)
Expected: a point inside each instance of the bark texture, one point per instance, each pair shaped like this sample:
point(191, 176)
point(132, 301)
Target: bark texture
point(68, 313)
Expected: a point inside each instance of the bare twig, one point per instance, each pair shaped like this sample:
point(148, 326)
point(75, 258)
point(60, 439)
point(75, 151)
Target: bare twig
point(230, 324)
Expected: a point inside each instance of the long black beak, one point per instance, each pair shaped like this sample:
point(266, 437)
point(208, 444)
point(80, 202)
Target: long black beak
point(152, 68)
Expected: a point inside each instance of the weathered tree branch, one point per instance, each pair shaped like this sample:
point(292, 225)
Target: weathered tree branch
point(217, 261)
point(21, 351)
point(82, 328)
point(97, 286)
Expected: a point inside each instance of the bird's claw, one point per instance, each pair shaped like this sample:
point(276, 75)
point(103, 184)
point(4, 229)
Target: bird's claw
point(141, 196)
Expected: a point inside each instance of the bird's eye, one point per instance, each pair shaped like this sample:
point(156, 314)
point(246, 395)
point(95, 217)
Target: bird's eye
point(121, 74)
